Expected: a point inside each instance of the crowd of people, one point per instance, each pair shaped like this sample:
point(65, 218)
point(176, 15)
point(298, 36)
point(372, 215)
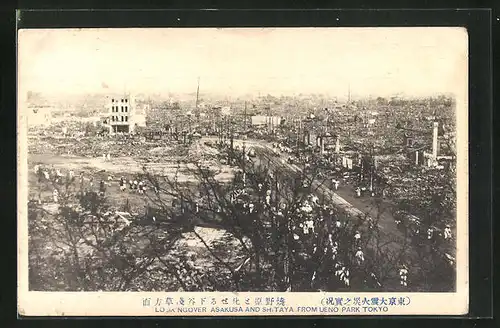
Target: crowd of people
point(253, 198)
point(55, 178)
point(309, 226)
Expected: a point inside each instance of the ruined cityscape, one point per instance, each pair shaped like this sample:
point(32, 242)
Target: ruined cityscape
point(240, 160)
point(305, 193)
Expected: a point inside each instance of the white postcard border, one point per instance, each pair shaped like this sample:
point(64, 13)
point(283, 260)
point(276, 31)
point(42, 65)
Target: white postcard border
point(31, 303)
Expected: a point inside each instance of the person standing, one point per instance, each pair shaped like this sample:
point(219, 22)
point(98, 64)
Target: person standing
point(403, 275)
point(122, 184)
point(102, 188)
point(447, 232)
point(39, 173)
point(37, 169)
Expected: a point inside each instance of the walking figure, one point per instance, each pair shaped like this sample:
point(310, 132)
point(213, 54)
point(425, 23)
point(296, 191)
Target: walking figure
point(403, 274)
point(360, 256)
point(447, 232)
point(39, 174)
point(430, 233)
point(102, 188)
point(122, 184)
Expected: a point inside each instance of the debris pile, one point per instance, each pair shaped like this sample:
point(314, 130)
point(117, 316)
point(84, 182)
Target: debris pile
point(200, 151)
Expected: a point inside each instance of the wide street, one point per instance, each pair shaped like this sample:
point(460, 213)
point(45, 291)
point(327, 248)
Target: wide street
point(343, 198)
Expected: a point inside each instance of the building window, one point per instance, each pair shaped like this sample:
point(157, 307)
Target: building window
point(112, 100)
point(112, 118)
point(126, 109)
point(126, 100)
point(126, 118)
point(122, 109)
point(122, 99)
point(123, 119)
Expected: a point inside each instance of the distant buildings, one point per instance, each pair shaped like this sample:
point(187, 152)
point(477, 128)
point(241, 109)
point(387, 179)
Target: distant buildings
point(266, 120)
point(125, 114)
point(225, 110)
point(433, 156)
point(432, 159)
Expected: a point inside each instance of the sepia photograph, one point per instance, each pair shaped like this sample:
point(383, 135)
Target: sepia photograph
point(243, 161)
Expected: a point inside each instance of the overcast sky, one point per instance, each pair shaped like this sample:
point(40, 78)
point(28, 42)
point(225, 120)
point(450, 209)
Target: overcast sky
point(374, 61)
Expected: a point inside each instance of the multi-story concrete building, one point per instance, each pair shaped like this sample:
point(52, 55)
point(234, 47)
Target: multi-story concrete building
point(124, 114)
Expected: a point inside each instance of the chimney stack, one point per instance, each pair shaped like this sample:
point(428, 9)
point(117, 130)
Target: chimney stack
point(435, 140)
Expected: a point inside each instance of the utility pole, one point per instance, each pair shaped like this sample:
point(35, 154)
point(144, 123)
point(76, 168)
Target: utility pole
point(299, 129)
point(371, 168)
point(244, 147)
point(327, 116)
point(219, 128)
point(269, 118)
point(245, 128)
point(232, 139)
point(197, 113)
point(245, 117)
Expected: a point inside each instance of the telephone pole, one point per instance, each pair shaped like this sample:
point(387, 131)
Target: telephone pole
point(244, 147)
point(245, 120)
point(245, 131)
point(349, 93)
point(197, 113)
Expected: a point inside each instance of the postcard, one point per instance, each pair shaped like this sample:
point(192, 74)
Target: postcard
point(243, 171)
